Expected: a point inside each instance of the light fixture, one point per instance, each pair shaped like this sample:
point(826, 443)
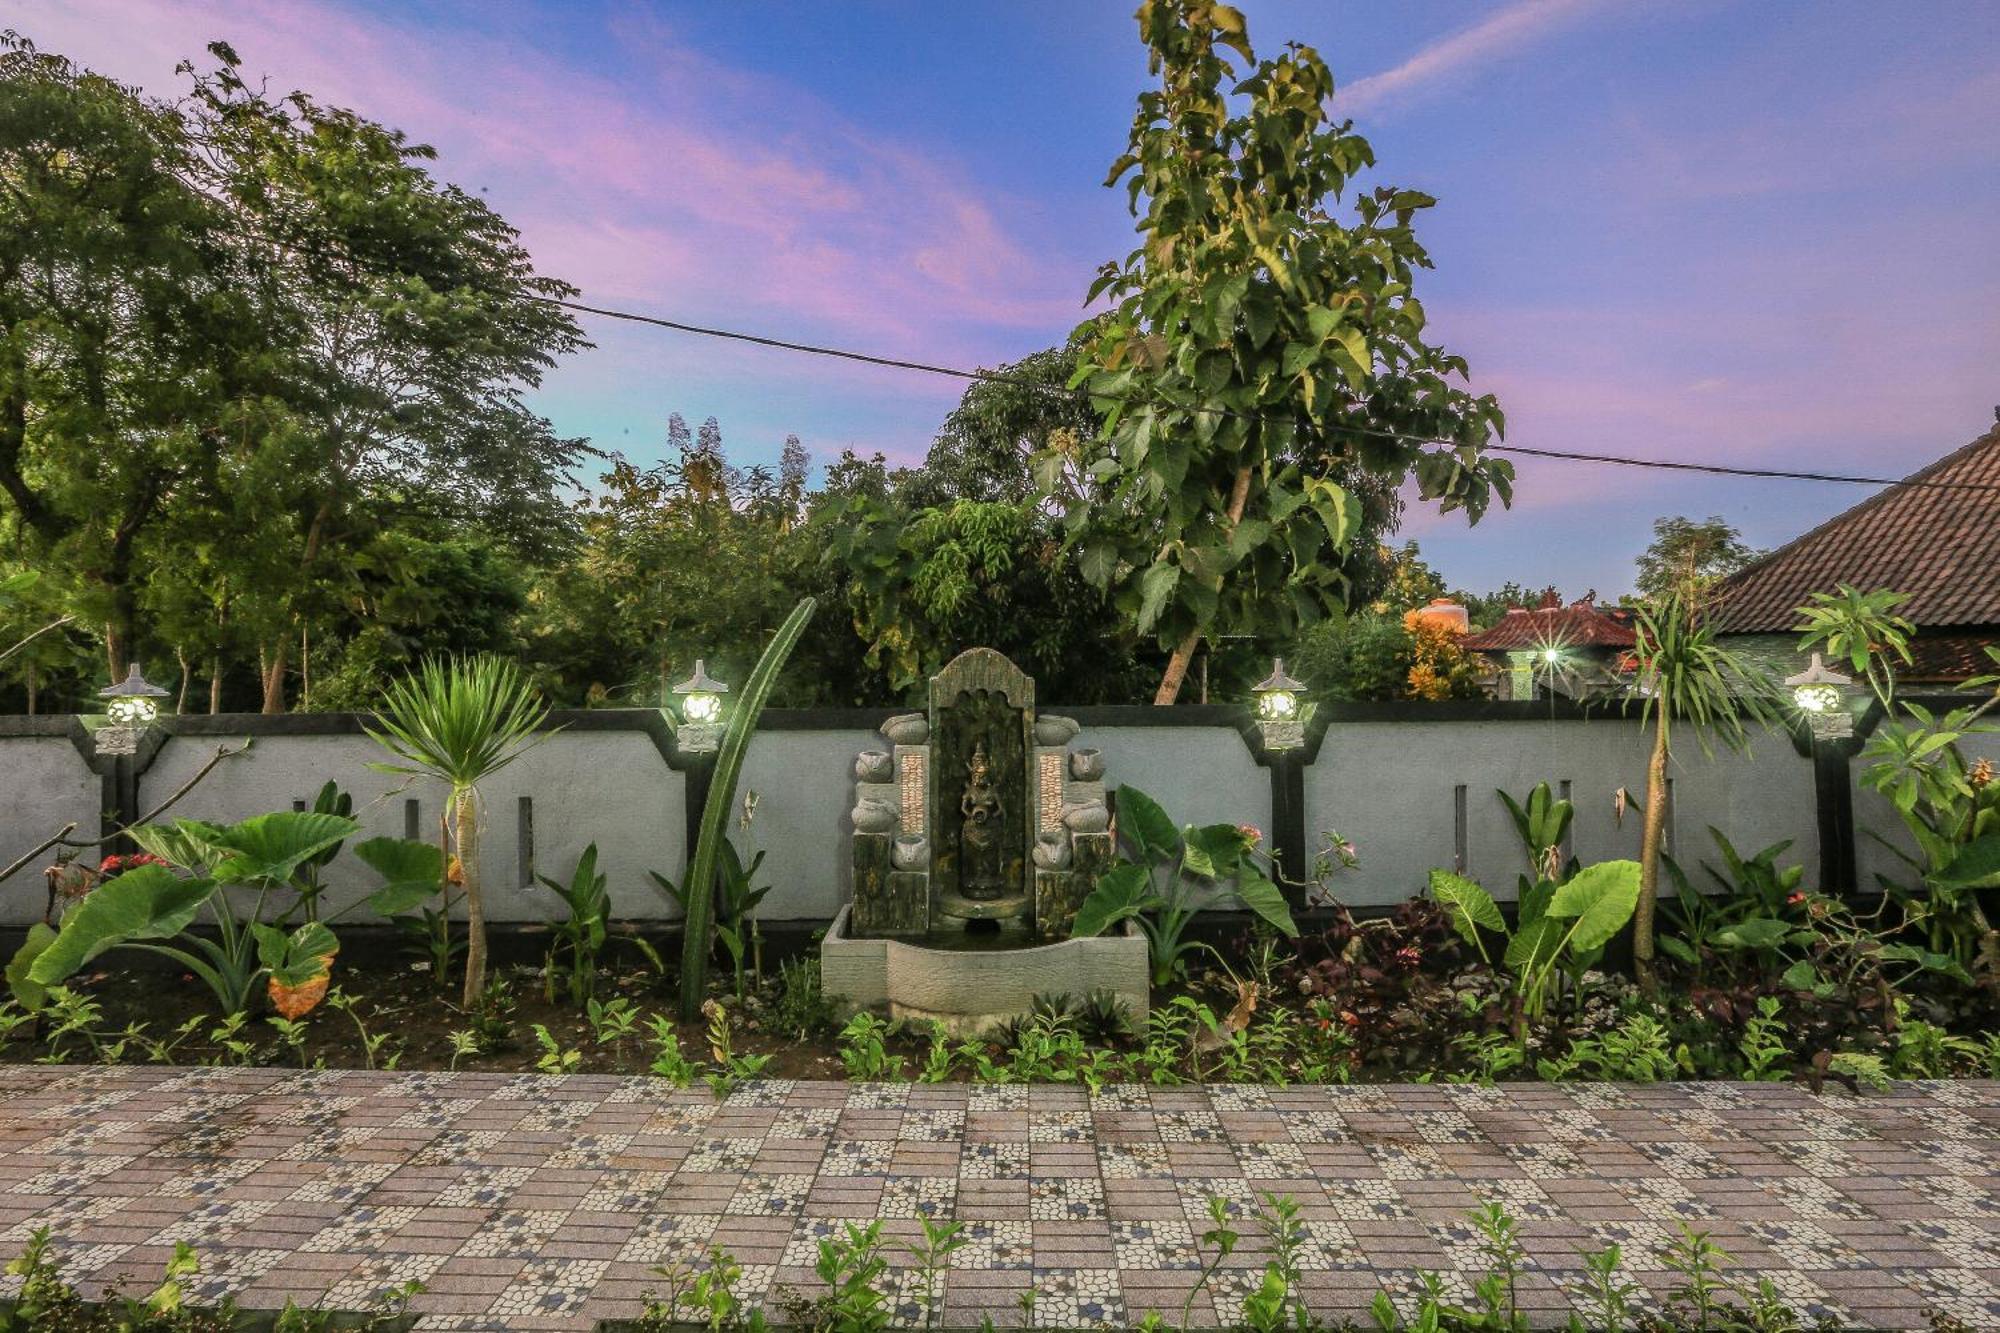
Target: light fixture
point(1277, 694)
point(701, 702)
point(134, 701)
point(1552, 655)
point(1818, 689)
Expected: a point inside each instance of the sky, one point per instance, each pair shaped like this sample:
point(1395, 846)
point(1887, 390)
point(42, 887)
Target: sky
point(1757, 234)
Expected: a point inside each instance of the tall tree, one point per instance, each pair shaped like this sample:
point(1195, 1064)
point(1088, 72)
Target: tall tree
point(123, 327)
point(1705, 551)
point(1263, 352)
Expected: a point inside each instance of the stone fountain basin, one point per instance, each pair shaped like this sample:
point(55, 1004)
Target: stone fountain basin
point(973, 991)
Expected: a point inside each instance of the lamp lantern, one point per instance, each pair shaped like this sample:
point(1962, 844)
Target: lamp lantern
point(1818, 690)
point(1277, 694)
point(701, 696)
point(134, 701)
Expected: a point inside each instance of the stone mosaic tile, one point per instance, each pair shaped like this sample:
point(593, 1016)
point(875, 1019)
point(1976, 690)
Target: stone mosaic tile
point(544, 1202)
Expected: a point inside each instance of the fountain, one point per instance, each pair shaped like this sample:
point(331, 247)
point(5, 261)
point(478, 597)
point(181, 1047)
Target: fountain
point(977, 832)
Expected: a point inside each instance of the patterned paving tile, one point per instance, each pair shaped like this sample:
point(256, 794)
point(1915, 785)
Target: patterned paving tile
point(537, 1202)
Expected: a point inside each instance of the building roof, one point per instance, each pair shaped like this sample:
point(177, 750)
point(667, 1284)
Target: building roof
point(1940, 545)
point(1553, 625)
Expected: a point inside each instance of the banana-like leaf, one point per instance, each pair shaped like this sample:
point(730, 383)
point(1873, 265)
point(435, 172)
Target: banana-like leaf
point(1599, 899)
point(29, 993)
point(1264, 898)
point(1213, 851)
point(1756, 932)
point(145, 903)
point(1146, 825)
point(188, 843)
point(296, 958)
point(1467, 905)
point(412, 872)
point(1120, 892)
point(270, 848)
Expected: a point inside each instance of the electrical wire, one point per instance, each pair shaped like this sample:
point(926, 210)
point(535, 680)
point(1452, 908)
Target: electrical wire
point(1001, 377)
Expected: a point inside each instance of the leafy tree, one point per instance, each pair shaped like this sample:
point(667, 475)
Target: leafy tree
point(1262, 355)
point(1704, 550)
point(123, 327)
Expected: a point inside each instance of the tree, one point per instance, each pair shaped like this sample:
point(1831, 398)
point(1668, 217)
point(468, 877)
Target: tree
point(1689, 681)
point(461, 721)
point(124, 327)
point(1262, 354)
point(1705, 551)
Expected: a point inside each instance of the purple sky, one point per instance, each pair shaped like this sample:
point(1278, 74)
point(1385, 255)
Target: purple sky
point(1747, 233)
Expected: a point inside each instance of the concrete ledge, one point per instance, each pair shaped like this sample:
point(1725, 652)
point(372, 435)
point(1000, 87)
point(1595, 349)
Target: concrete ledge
point(969, 991)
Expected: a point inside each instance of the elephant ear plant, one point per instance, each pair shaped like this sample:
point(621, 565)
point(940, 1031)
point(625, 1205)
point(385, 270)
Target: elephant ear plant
point(234, 872)
point(1170, 875)
point(1560, 929)
point(461, 721)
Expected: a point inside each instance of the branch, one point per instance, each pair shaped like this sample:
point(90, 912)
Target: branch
point(11, 870)
point(55, 624)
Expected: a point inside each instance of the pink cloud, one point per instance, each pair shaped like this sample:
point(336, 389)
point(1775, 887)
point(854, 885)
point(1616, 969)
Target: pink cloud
point(1504, 32)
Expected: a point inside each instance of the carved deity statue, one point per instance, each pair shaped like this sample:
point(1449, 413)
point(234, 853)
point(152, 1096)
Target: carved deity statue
point(979, 838)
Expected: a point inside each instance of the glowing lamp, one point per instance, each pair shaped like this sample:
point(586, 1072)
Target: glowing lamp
point(701, 696)
point(134, 701)
point(1818, 689)
point(1277, 695)
point(1552, 655)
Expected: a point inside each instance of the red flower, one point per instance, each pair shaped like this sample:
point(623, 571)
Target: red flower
point(118, 865)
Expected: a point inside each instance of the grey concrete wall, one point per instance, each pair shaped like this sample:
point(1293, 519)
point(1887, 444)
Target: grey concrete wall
point(43, 786)
point(804, 782)
point(1202, 775)
point(1391, 787)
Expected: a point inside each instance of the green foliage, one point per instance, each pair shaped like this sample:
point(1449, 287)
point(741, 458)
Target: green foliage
point(580, 935)
point(1169, 875)
point(863, 1049)
point(1560, 928)
point(1704, 551)
point(1263, 362)
point(800, 1010)
point(460, 721)
point(705, 865)
point(1542, 824)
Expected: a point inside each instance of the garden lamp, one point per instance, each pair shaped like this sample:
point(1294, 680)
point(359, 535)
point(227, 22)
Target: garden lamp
point(701, 703)
point(1818, 689)
point(134, 701)
point(1277, 694)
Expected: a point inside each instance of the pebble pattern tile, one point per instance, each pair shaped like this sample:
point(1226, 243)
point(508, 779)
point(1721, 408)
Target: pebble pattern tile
point(530, 1202)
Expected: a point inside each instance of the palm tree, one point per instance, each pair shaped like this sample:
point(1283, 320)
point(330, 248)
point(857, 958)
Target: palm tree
point(461, 721)
point(1689, 680)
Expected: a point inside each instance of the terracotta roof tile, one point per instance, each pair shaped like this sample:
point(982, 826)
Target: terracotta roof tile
point(1579, 625)
point(1940, 546)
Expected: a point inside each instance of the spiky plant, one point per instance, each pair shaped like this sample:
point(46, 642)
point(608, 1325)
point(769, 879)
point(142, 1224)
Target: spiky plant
point(461, 720)
point(1690, 681)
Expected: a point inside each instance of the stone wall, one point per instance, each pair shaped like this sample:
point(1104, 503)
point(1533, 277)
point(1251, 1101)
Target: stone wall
point(1413, 785)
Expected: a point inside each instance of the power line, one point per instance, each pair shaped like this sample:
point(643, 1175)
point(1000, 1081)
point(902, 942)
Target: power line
point(1000, 377)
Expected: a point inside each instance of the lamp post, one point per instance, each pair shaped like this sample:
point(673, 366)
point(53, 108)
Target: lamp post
point(1820, 694)
point(1281, 732)
point(131, 706)
point(701, 710)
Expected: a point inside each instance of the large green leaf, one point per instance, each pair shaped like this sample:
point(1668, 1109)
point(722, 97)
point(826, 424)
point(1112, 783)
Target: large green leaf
point(1264, 898)
point(1213, 851)
point(412, 872)
point(1976, 866)
point(146, 903)
point(1757, 932)
point(272, 847)
point(1120, 892)
point(188, 843)
point(296, 958)
point(1468, 905)
point(1535, 944)
point(1146, 824)
point(1600, 899)
point(28, 992)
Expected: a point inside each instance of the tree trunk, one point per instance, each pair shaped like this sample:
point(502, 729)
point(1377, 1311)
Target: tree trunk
point(187, 675)
point(1183, 655)
point(34, 682)
point(1651, 843)
point(475, 906)
point(215, 684)
point(273, 663)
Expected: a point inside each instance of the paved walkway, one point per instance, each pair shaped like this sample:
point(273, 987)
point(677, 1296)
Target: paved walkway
point(536, 1202)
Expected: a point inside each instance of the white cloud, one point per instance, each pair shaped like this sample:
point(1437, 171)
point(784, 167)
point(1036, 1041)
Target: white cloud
point(1511, 28)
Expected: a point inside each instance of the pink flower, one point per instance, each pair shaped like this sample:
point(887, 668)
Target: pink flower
point(1252, 835)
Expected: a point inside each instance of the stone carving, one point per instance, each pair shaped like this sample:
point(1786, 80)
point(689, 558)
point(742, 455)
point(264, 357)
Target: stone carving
point(980, 818)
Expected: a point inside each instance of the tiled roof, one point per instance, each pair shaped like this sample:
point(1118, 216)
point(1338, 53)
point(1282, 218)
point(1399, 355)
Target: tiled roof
point(1941, 546)
point(1947, 658)
point(1578, 625)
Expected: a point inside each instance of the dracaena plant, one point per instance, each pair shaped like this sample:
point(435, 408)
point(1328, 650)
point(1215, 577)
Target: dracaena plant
point(1169, 874)
point(1560, 929)
point(460, 721)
